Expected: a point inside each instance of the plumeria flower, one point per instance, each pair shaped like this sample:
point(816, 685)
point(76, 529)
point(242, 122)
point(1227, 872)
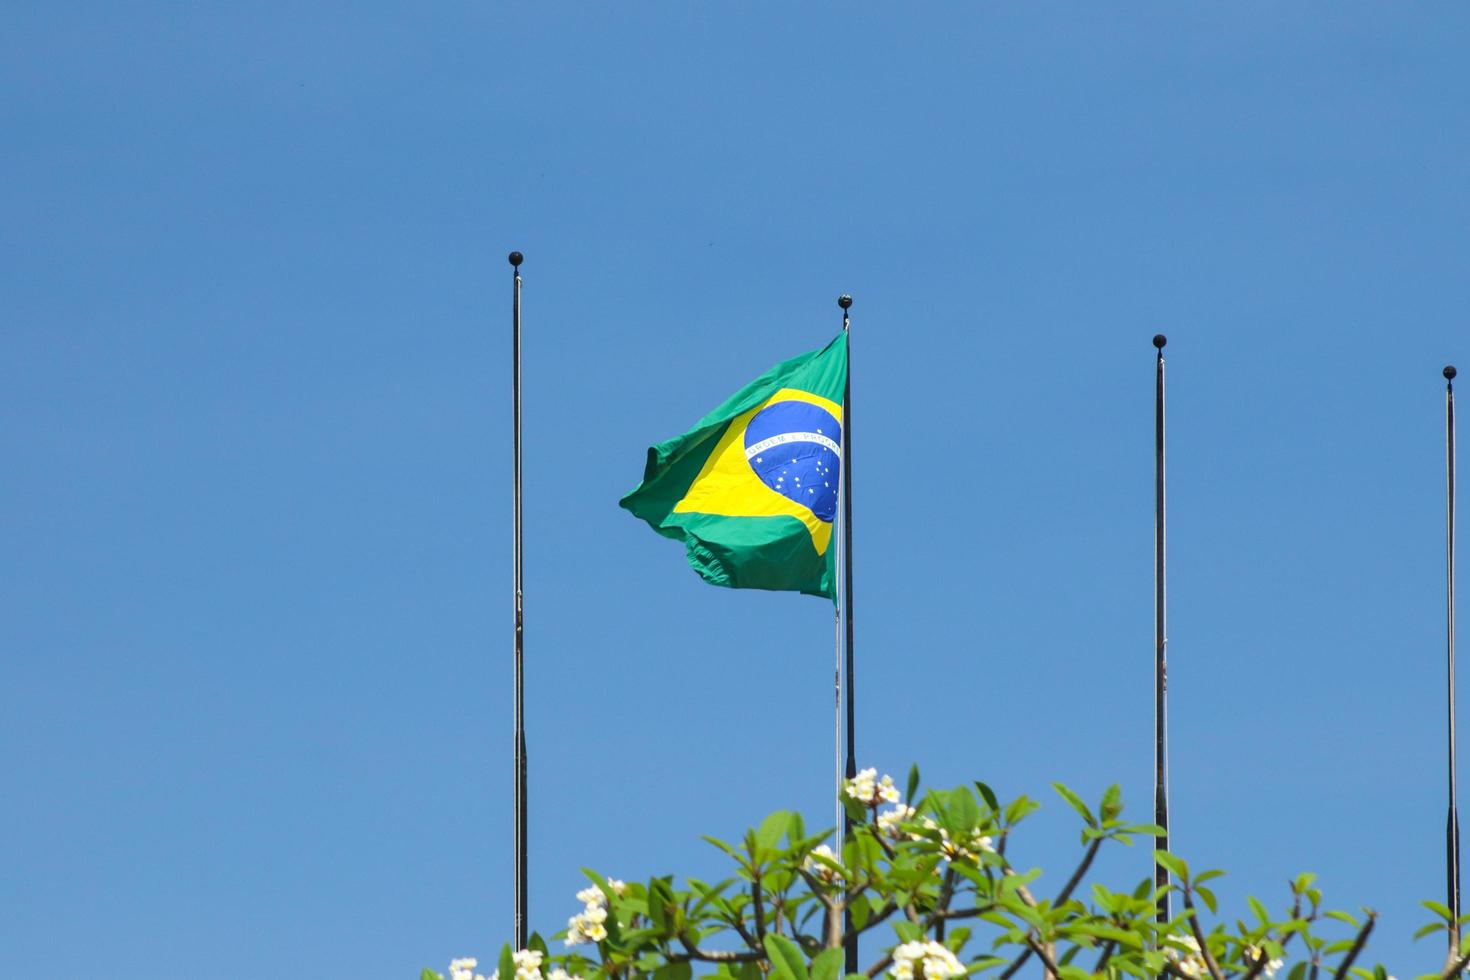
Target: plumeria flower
point(464, 969)
point(560, 974)
point(889, 820)
point(1254, 953)
point(871, 791)
point(823, 872)
point(931, 960)
point(588, 925)
point(527, 961)
point(618, 887)
point(978, 841)
point(1189, 961)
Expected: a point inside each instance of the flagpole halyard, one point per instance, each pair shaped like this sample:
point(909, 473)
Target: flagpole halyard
point(1161, 716)
point(1452, 823)
point(521, 876)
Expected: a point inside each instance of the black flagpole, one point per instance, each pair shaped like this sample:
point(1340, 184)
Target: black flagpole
point(1452, 826)
point(1161, 684)
point(520, 705)
point(845, 302)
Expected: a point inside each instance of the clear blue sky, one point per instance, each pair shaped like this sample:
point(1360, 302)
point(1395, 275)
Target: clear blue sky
point(255, 704)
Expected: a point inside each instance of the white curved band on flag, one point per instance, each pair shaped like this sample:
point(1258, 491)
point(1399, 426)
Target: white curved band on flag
point(789, 437)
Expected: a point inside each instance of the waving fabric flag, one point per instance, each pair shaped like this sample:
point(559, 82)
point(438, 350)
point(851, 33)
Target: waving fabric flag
point(752, 490)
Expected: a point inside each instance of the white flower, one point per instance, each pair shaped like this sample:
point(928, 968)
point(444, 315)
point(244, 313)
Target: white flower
point(588, 925)
point(1189, 961)
point(978, 841)
point(823, 871)
point(618, 887)
point(869, 790)
point(463, 969)
point(560, 974)
point(934, 961)
point(1254, 953)
point(860, 787)
point(527, 961)
point(889, 820)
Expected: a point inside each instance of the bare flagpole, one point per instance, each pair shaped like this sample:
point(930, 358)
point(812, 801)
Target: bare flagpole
point(521, 877)
point(1452, 825)
point(1161, 641)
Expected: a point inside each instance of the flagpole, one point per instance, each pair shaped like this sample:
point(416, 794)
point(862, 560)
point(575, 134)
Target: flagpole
point(845, 302)
point(1161, 715)
point(521, 878)
point(1452, 826)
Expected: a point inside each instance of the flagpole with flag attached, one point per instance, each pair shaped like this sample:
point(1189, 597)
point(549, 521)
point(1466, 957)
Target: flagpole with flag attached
point(1452, 824)
point(845, 470)
point(1161, 715)
point(521, 877)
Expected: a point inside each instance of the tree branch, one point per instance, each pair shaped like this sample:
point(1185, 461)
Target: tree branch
point(758, 910)
point(1199, 937)
point(1453, 970)
point(1077, 875)
point(1347, 962)
point(1046, 960)
point(693, 952)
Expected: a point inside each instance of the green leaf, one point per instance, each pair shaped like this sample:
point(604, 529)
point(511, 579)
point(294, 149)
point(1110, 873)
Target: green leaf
point(717, 843)
point(1426, 930)
point(1208, 897)
point(1112, 802)
point(1258, 909)
point(430, 975)
point(913, 785)
point(963, 809)
point(909, 932)
point(507, 962)
point(1020, 808)
point(658, 901)
point(1440, 910)
point(751, 971)
point(988, 795)
point(772, 829)
point(787, 961)
point(1342, 917)
point(1175, 865)
point(1205, 876)
point(1076, 803)
point(828, 964)
point(795, 831)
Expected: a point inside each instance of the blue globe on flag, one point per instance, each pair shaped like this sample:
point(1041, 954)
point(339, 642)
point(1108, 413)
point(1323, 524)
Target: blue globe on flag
point(795, 448)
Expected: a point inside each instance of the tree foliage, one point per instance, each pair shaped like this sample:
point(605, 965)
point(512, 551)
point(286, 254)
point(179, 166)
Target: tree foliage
point(927, 878)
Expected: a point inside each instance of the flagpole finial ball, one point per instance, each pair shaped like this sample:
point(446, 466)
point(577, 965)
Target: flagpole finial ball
point(516, 258)
point(1160, 340)
point(844, 301)
point(1449, 372)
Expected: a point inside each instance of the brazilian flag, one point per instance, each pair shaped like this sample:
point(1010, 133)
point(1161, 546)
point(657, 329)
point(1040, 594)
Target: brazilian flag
point(752, 489)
